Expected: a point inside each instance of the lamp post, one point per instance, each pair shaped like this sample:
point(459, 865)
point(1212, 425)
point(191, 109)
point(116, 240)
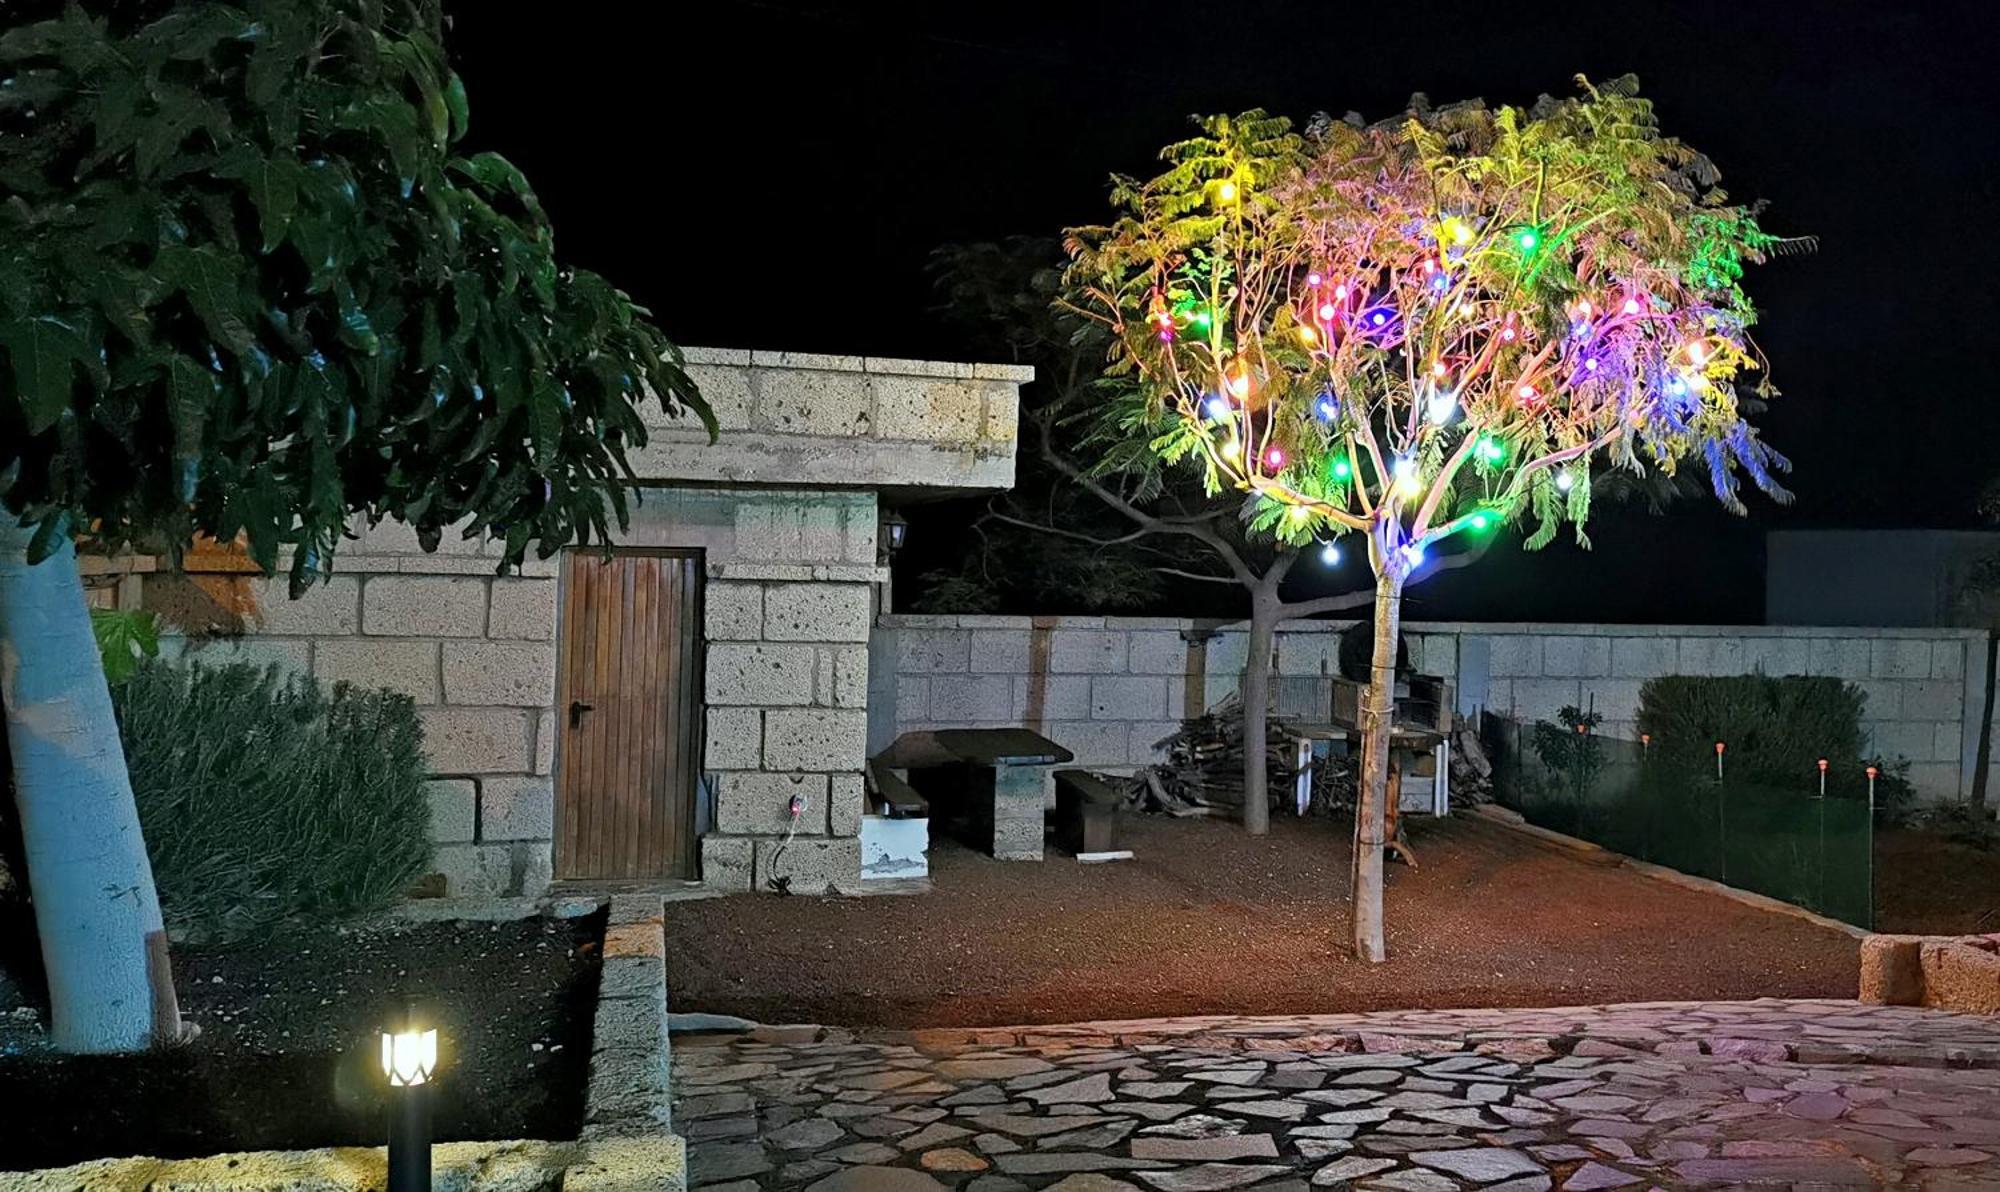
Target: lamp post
point(409, 1058)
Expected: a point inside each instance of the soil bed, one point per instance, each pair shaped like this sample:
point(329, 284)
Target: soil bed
point(1926, 884)
point(1209, 920)
point(288, 1055)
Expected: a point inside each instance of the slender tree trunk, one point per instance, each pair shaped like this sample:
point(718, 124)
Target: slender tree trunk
point(1257, 714)
point(110, 986)
point(1378, 707)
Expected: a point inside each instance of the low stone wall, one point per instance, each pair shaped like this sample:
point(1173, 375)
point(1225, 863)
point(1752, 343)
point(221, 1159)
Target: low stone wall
point(1959, 973)
point(1110, 688)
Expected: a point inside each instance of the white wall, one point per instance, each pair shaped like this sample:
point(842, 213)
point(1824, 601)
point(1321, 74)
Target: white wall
point(1108, 688)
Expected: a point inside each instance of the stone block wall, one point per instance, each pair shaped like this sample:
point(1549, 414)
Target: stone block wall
point(799, 418)
point(789, 600)
point(1109, 688)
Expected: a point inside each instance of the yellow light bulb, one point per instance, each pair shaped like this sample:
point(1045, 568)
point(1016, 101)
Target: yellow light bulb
point(1300, 513)
point(1232, 450)
point(1226, 192)
point(1460, 233)
point(1306, 334)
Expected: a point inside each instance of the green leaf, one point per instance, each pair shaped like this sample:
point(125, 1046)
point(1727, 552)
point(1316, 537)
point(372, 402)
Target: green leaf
point(125, 637)
point(273, 183)
point(44, 354)
point(190, 391)
point(454, 99)
point(212, 284)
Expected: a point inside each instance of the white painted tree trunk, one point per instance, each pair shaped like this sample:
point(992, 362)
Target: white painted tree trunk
point(1378, 709)
point(110, 985)
point(1256, 716)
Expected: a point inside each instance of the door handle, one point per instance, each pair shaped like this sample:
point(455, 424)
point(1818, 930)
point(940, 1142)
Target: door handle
point(576, 710)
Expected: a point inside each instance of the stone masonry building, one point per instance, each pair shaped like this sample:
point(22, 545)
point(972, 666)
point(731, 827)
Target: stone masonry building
point(778, 524)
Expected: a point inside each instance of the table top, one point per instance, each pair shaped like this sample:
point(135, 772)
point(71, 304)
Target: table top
point(1401, 736)
point(1002, 746)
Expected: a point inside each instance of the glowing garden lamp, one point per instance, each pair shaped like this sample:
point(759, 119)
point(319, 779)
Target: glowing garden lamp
point(409, 1060)
point(1226, 191)
point(1718, 761)
point(895, 531)
point(1341, 469)
point(1822, 778)
point(1329, 554)
point(1873, 773)
point(1216, 407)
point(1480, 521)
point(1565, 481)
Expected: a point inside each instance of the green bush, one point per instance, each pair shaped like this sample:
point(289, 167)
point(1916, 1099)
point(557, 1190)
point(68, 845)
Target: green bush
point(266, 799)
point(1775, 728)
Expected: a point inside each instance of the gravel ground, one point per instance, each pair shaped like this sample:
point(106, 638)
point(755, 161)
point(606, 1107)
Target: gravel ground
point(1209, 920)
point(287, 1053)
point(1928, 885)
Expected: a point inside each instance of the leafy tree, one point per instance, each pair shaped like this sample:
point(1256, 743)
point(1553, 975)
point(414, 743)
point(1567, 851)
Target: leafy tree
point(250, 289)
point(1418, 330)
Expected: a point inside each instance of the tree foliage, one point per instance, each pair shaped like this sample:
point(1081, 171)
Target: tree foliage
point(1432, 324)
point(250, 286)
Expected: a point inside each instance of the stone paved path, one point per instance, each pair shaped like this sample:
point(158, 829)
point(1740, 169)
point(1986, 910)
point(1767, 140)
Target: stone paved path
point(1768, 1093)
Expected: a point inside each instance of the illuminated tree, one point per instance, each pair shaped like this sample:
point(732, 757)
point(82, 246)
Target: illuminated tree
point(1421, 329)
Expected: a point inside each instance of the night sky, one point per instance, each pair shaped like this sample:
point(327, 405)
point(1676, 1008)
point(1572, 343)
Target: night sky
point(774, 175)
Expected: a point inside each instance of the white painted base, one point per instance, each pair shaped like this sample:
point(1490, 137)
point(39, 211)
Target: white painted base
point(894, 848)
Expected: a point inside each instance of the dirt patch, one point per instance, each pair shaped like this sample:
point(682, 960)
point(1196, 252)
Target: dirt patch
point(1209, 920)
point(287, 1057)
point(1928, 885)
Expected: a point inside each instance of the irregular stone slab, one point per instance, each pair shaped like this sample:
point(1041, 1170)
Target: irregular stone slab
point(877, 1179)
point(1058, 1162)
point(1090, 1181)
point(996, 1183)
point(1413, 1181)
point(1090, 1138)
point(803, 1170)
point(1211, 1177)
point(1844, 1172)
point(1198, 1125)
point(808, 1135)
point(863, 1152)
point(1322, 1131)
point(1526, 1183)
point(720, 1161)
point(1206, 1150)
point(985, 1094)
point(1595, 1175)
point(1314, 1149)
point(936, 1134)
point(1945, 1156)
point(1152, 1111)
point(995, 1144)
point(1154, 1089)
point(1349, 1116)
point(1816, 1107)
point(1341, 1097)
point(883, 1081)
point(1229, 1075)
point(1089, 1090)
point(1282, 1110)
point(951, 1158)
point(1025, 1126)
point(999, 1067)
point(713, 1105)
point(1344, 1170)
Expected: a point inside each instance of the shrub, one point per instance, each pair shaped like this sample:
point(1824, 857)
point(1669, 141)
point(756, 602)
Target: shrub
point(1776, 730)
point(265, 799)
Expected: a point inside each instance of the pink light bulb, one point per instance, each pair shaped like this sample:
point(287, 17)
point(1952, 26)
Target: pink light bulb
point(1275, 457)
point(1631, 306)
point(1326, 312)
point(1314, 280)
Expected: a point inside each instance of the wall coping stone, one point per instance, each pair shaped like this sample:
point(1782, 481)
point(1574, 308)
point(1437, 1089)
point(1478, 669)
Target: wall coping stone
point(1466, 628)
point(878, 365)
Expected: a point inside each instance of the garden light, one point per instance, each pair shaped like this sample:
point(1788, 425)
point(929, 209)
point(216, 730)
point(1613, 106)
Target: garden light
point(1718, 761)
point(1226, 192)
point(409, 1060)
point(1330, 554)
point(1822, 778)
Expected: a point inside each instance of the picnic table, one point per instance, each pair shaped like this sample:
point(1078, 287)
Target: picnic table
point(989, 780)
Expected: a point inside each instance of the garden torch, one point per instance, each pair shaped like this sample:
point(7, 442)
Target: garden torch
point(1872, 772)
point(1822, 778)
point(1718, 761)
point(409, 1058)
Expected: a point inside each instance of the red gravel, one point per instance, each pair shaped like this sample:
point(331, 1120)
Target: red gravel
point(1208, 920)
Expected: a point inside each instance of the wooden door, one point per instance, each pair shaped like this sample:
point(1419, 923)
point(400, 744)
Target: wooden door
point(629, 715)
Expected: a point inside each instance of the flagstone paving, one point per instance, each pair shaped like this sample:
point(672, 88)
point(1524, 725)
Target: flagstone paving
point(1798, 1093)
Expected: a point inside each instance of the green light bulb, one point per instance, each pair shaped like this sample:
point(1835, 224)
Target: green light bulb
point(1480, 521)
point(1341, 469)
point(1529, 240)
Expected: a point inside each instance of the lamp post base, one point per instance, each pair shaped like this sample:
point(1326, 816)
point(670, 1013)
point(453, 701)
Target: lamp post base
point(410, 1139)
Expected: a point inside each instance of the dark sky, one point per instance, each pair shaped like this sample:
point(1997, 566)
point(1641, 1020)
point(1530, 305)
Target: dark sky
point(773, 174)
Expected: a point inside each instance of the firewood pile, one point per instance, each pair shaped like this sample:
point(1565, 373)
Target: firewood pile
point(1203, 773)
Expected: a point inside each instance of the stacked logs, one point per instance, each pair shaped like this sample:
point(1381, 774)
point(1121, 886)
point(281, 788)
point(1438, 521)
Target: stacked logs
point(1203, 773)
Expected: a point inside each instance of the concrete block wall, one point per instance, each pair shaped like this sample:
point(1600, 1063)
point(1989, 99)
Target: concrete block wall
point(476, 651)
point(799, 418)
point(1108, 688)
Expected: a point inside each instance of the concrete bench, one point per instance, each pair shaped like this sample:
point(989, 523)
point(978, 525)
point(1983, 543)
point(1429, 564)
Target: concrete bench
point(1086, 812)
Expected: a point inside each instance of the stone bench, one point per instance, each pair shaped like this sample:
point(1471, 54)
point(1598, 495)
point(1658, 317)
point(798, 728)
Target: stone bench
point(1086, 812)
